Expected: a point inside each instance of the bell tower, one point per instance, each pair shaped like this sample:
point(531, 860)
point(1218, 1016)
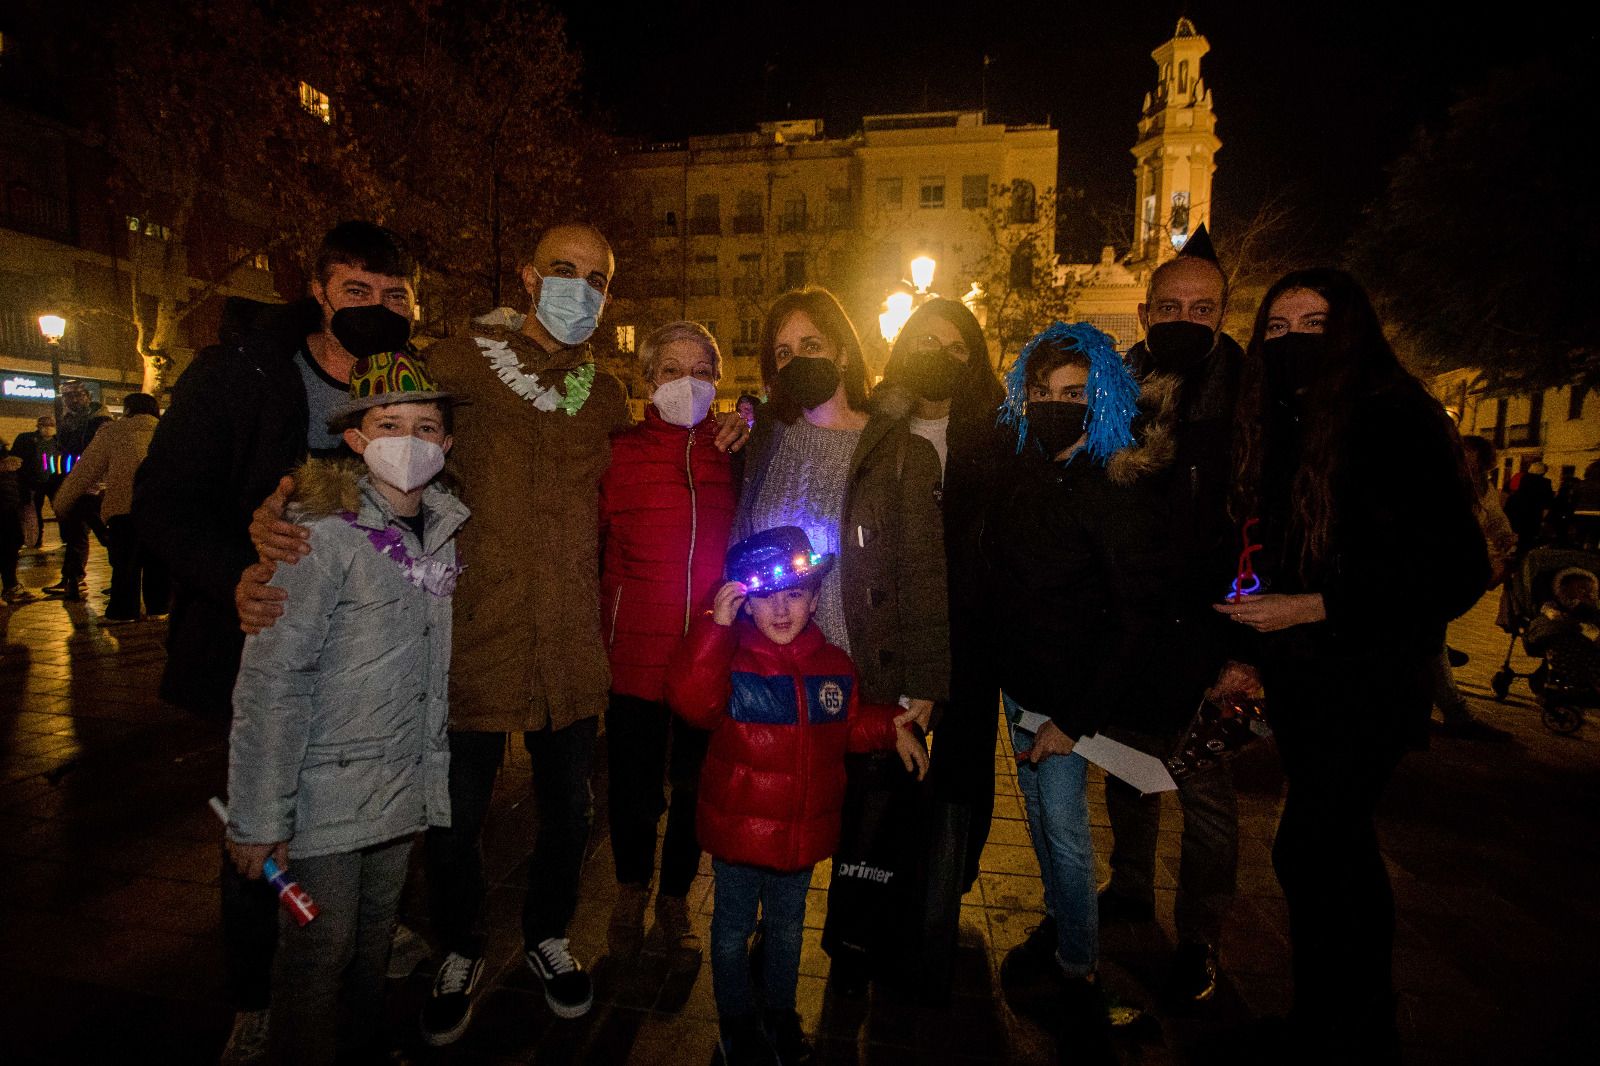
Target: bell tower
point(1174, 158)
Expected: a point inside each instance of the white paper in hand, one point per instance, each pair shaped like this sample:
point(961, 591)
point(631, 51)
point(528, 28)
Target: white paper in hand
point(1144, 772)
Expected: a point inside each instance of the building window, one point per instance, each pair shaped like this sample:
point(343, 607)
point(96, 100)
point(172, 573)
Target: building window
point(241, 256)
point(1575, 400)
point(793, 218)
point(932, 193)
point(975, 190)
point(890, 191)
point(1025, 203)
point(747, 213)
point(316, 103)
point(703, 277)
point(748, 281)
point(1022, 266)
point(749, 330)
point(836, 211)
point(794, 270)
point(148, 228)
point(711, 327)
point(625, 339)
point(668, 227)
point(1183, 76)
point(706, 219)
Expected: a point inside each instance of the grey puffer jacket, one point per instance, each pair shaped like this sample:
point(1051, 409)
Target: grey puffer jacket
point(340, 709)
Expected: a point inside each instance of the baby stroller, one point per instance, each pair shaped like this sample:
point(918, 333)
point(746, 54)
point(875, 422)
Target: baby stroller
point(1528, 588)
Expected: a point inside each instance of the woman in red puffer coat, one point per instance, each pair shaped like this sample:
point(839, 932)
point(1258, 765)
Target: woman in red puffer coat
point(666, 505)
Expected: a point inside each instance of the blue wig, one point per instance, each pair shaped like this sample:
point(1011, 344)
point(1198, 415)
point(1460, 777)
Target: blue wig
point(1113, 393)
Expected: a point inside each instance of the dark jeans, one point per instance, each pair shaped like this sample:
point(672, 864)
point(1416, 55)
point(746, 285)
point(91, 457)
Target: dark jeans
point(39, 494)
point(133, 568)
point(561, 762)
point(328, 978)
point(1208, 863)
point(962, 768)
point(249, 937)
point(638, 734)
point(781, 898)
point(10, 548)
point(75, 528)
point(1339, 732)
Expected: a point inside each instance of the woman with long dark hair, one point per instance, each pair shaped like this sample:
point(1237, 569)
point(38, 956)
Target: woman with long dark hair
point(1370, 548)
point(860, 484)
point(940, 377)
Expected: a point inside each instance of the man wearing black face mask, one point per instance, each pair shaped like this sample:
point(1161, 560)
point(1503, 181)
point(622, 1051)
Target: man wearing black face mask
point(246, 412)
point(1182, 316)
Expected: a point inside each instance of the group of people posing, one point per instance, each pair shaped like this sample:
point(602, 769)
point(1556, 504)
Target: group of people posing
point(431, 552)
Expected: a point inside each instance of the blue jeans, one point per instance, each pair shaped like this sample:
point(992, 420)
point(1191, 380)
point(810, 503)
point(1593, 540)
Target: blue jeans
point(1058, 821)
point(782, 900)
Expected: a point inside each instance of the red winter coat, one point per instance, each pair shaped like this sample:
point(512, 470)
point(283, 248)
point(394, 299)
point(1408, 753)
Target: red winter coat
point(666, 505)
point(782, 718)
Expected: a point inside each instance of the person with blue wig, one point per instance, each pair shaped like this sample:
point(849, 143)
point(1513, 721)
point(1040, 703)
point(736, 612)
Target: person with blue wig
point(1078, 548)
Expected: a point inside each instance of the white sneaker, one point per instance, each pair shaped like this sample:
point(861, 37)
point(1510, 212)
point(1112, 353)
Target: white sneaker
point(247, 1043)
point(407, 951)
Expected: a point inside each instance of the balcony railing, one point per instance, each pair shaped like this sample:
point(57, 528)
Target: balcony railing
point(27, 211)
point(705, 226)
point(747, 223)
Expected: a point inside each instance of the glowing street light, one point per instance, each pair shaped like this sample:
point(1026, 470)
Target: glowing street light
point(54, 327)
point(897, 310)
point(922, 268)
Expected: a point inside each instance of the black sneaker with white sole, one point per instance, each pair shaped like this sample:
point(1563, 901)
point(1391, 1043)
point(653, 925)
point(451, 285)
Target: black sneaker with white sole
point(567, 989)
point(448, 1011)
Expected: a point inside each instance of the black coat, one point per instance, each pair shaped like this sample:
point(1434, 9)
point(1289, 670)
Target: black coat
point(1084, 563)
point(237, 423)
point(1405, 556)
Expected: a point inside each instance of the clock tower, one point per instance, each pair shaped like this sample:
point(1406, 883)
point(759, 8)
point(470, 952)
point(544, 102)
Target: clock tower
point(1175, 156)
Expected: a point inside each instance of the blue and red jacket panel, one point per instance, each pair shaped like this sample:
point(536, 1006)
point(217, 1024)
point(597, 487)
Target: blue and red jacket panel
point(782, 717)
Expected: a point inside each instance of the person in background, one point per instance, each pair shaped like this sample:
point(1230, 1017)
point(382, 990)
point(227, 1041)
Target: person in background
point(1459, 721)
point(13, 499)
point(782, 706)
point(1527, 505)
point(40, 475)
point(81, 418)
point(111, 460)
point(666, 506)
point(1364, 572)
point(941, 379)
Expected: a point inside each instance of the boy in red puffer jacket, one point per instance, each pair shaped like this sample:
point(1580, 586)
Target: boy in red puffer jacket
point(783, 708)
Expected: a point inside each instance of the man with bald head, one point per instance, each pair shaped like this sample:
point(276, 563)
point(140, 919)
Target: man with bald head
point(1182, 318)
point(528, 656)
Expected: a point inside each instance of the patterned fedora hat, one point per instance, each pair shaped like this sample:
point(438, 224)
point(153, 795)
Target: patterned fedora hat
point(389, 377)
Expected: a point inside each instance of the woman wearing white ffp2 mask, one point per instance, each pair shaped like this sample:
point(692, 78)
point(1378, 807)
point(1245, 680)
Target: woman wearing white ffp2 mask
point(666, 505)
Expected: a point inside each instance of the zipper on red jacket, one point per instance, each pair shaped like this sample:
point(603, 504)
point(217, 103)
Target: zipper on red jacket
point(694, 527)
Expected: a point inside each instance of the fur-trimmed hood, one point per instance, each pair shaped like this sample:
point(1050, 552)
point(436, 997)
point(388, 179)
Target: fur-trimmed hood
point(340, 486)
point(1155, 432)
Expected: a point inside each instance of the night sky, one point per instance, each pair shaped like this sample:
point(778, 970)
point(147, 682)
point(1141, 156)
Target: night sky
point(1313, 105)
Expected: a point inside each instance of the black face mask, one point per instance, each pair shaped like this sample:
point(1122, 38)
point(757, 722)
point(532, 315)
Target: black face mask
point(1294, 362)
point(1178, 347)
point(1056, 424)
point(370, 330)
point(808, 380)
point(933, 375)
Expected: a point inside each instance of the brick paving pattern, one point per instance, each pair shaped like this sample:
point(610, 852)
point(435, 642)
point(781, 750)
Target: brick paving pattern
point(110, 950)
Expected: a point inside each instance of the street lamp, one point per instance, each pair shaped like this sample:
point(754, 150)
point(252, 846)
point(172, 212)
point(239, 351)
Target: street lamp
point(897, 309)
point(922, 268)
point(54, 327)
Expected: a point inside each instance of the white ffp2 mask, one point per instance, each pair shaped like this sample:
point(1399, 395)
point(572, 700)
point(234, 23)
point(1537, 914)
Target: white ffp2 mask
point(684, 401)
point(406, 463)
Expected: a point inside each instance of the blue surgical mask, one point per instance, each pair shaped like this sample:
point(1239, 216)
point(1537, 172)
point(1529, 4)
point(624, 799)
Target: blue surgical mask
point(569, 308)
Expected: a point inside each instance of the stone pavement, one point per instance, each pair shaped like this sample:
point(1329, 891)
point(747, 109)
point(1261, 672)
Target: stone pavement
point(109, 943)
